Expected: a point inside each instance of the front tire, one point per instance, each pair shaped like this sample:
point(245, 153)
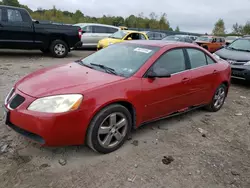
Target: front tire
point(59, 49)
point(109, 129)
point(218, 99)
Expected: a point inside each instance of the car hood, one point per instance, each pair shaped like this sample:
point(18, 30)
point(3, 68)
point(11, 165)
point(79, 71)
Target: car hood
point(225, 53)
point(63, 79)
point(105, 42)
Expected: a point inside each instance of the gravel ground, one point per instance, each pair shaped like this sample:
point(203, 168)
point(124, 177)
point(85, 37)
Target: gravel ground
point(195, 150)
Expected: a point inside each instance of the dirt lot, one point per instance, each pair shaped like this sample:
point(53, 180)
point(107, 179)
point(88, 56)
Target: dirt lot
point(210, 150)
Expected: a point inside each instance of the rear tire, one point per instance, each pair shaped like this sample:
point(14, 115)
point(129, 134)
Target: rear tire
point(218, 99)
point(109, 129)
point(59, 49)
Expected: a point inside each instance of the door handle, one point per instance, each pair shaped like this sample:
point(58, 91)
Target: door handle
point(215, 71)
point(185, 80)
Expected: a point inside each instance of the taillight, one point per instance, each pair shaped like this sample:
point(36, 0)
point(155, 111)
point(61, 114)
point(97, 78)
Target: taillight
point(80, 33)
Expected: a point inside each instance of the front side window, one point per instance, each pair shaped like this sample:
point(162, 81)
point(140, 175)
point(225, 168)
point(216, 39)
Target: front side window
point(14, 15)
point(172, 62)
point(125, 59)
point(209, 60)
point(197, 58)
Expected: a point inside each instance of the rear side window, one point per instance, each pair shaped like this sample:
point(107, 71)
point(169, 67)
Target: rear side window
point(197, 58)
point(172, 61)
point(14, 15)
point(100, 29)
point(111, 30)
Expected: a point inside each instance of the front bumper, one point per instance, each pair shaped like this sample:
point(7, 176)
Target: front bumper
point(46, 128)
point(240, 72)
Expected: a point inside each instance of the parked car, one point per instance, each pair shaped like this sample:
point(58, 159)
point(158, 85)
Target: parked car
point(93, 32)
point(152, 35)
point(97, 100)
point(237, 54)
point(18, 31)
point(192, 37)
point(210, 43)
point(179, 38)
point(230, 39)
point(121, 36)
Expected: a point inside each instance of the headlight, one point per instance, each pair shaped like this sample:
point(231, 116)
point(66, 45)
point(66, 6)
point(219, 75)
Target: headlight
point(216, 56)
point(57, 103)
point(247, 63)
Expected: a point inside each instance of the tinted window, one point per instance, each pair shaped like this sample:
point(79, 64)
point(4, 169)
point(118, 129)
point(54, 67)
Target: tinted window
point(197, 58)
point(209, 60)
point(14, 15)
point(124, 58)
point(100, 29)
point(1, 14)
point(111, 30)
point(172, 61)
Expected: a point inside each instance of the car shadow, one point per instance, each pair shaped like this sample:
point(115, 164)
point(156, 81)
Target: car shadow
point(242, 83)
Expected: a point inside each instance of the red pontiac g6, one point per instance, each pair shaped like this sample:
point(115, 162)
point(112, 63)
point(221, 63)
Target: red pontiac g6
point(99, 99)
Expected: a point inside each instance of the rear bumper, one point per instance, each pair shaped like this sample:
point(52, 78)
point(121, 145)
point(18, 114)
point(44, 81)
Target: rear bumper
point(240, 72)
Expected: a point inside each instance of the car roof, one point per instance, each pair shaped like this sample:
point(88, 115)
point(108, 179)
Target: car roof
point(162, 43)
point(132, 31)
point(96, 24)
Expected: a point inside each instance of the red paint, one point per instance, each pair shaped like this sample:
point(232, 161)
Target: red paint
point(151, 99)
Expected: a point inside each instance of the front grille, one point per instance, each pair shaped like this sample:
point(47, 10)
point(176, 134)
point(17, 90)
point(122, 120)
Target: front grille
point(16, 101)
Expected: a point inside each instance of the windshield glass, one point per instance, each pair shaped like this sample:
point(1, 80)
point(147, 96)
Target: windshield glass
point(118, 35)
point(231, 38)
point(205, 39)
point(172, 38)
point(240, 44)
point(125, 59)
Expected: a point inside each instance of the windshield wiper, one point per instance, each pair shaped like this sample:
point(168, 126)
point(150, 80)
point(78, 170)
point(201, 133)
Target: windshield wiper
point(82, 63)
point(107, 69)
point(237, 49)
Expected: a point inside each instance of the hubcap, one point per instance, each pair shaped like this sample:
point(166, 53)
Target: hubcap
point(59, 49)
point(112, 130)
point(219, 97)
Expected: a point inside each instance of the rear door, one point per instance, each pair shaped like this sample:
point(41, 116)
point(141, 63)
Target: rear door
point(163, 96)
point(203, 73)
point(17, 29)
point(2, 32)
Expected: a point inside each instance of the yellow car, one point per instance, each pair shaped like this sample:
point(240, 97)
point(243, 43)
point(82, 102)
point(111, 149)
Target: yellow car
point(121, 36)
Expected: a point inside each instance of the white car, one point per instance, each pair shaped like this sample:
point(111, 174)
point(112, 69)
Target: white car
point(93, 32)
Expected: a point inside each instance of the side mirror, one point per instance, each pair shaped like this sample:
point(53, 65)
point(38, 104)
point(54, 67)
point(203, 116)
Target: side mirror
point(129, 38)
point(36, 21)
point(161, 74)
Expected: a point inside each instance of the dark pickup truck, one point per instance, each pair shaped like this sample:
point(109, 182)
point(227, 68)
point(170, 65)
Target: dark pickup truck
point(19, 31)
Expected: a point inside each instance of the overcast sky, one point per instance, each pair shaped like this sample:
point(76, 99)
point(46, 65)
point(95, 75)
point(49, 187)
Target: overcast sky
point(190, 15)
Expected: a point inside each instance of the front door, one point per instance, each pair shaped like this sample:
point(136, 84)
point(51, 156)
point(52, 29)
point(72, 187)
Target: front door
point(163, 96)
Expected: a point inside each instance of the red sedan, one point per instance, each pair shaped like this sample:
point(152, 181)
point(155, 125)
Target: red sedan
point(99, 99)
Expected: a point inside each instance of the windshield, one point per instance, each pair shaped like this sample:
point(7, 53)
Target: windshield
point(205, 39)
point(125, 59)
point(231, 38)
point(172, 38)
point(240, 44)
point(118, 35)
